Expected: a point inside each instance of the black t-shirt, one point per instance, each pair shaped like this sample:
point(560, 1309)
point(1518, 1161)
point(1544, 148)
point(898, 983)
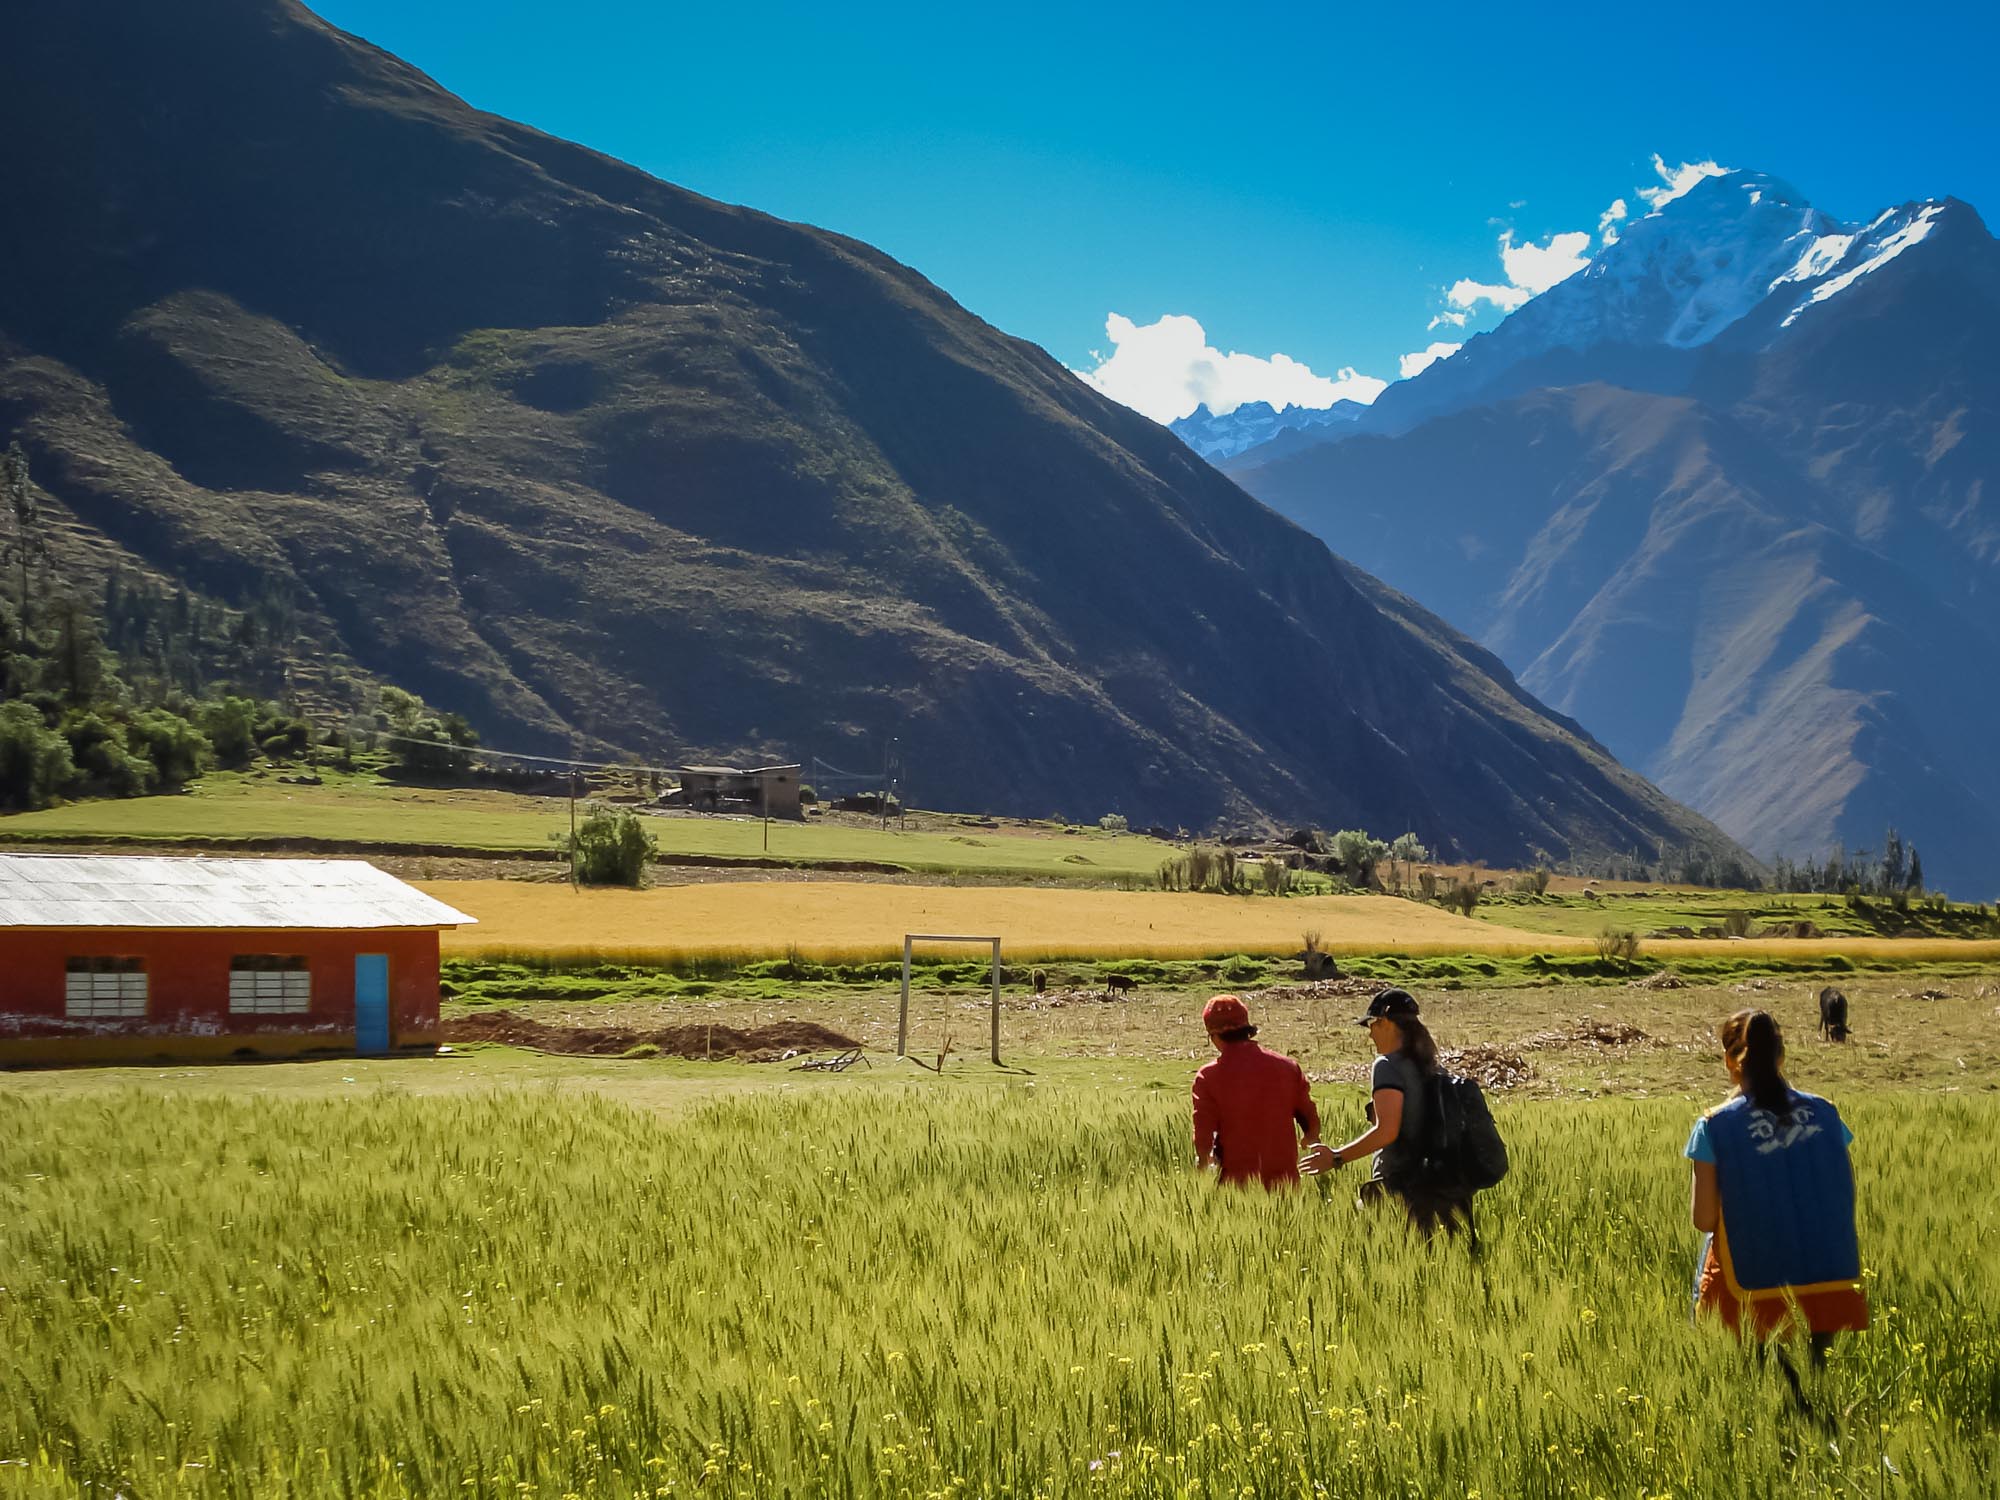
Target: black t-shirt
point(1399, 1160)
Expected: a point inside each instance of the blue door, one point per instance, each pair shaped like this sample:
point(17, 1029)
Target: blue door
point(371, 1003)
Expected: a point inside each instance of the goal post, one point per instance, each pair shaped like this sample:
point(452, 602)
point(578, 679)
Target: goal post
point(910, 940)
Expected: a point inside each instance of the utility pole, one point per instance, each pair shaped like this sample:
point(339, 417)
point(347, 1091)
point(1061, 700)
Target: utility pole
point(575, 753)
point(764, 786)
point(886, 748)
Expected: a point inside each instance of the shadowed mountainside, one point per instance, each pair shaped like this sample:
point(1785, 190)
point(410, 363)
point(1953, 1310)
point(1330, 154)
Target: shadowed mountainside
point(593, 459)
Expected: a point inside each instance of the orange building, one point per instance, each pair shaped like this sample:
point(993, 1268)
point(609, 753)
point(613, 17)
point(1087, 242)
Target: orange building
point(118, 958)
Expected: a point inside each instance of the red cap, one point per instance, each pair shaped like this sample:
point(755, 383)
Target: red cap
point(1225, 1013)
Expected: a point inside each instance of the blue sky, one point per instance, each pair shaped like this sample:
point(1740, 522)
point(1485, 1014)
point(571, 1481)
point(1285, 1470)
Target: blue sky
point(1300, 181)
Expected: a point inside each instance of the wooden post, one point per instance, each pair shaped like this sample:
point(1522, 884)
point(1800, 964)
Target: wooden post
point(903, 1020)
point(910, 940)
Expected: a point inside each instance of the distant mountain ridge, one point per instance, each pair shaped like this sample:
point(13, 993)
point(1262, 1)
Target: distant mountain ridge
point(604, 464)
point(1219, 437)
point(1728, 495)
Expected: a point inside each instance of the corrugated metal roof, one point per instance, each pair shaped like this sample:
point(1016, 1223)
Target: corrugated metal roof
point(119, 890)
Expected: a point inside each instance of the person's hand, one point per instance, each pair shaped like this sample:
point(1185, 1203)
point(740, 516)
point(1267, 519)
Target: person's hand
point(1319, 1158)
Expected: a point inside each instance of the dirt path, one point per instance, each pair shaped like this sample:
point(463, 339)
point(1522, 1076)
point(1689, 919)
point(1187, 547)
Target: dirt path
point(770, 1043)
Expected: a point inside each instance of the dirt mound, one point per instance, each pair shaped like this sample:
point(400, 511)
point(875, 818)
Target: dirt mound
point(772, 1043)
point(1587, 1034)
point(1493, 1067)
point(1317, 989)
point(1666, 979)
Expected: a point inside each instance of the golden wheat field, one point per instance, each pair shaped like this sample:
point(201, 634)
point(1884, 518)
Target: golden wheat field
point(855, 920)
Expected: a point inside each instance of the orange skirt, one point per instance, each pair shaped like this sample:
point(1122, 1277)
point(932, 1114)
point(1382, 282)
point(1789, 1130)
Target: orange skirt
point(1829, 1307)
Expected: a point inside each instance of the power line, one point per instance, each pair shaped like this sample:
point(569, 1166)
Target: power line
point(540, 760)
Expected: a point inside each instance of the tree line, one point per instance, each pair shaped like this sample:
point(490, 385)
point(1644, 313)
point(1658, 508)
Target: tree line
point(1898, 871)
point(138, 688)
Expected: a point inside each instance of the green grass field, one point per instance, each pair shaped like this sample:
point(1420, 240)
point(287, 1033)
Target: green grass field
point(362, 811)
point(1009, 1287)
point(1579, 916)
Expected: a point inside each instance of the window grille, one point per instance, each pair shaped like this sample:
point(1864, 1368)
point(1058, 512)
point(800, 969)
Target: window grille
point(97, 989)
point(269, 984)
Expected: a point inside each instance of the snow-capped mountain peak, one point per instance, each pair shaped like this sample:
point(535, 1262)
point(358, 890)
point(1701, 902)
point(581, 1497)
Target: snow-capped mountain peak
point(1683, 273)
point(1740, 254)
point(1217, 438)
point(1836, 261)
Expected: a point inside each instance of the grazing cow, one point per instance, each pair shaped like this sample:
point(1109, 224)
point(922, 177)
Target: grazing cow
point(1040, 980)
point(1832, 1014)
point(1118, 984)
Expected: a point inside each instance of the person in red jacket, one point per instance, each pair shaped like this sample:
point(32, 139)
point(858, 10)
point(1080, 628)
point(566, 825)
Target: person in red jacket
point(1250, 1104)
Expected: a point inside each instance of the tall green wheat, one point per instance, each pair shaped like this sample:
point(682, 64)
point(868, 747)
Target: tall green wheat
point(890, 1291)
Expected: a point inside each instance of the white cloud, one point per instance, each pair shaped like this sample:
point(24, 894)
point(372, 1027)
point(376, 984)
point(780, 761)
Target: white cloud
point(1677, 180)
point(1468, 294)
point(1539, 267)
point(1423, 359)
point(1168, 368)
point(1530, 269)
point(1609, 220)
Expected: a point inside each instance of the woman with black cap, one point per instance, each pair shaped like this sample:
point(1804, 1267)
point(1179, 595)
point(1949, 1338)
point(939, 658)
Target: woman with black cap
point(1400, 1103)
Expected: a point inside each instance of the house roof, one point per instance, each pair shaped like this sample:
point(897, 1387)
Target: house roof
point(117, 890)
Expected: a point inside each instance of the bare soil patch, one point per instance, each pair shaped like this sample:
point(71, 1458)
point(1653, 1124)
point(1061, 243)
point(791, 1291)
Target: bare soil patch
point(774, 1042)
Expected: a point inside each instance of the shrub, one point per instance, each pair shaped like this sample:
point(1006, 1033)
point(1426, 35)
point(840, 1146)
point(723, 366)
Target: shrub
point(1618, 945)
point(179, 751)
point(1113, 823)
point(1736, 924)
point(97, 750)
point(1462, 898)
point(1277, 877)
point(1427, 884)
point(1359, 853)
point(35, 764)
point(281, 735)
point(1203, 868)
point(611, 848)
point(231, 727)
point(438, 745)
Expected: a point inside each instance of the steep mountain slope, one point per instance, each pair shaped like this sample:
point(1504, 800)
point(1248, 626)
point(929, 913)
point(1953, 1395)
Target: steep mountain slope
point(1769, 581)
point(591, 458)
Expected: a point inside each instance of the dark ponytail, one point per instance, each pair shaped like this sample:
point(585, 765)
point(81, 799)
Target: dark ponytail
point(1752, 1037)
point(1418, 1045)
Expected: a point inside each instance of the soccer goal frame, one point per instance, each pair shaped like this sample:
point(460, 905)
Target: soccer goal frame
point(910, 941)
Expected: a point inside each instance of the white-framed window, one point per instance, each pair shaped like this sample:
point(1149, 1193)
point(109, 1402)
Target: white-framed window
point(97, 989)
point(269, 984)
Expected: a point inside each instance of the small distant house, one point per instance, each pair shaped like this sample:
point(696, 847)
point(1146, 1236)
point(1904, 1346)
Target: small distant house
point(114, 957)
point(763, 790)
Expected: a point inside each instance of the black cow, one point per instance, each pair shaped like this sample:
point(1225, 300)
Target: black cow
point(1832, 1014)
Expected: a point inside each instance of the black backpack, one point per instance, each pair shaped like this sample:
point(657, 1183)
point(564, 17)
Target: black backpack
point(1464, 1149)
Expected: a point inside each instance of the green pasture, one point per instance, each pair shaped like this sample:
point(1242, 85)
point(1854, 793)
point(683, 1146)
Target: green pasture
point(362, 811)
point(1573, 915)
point(1013, 1287)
